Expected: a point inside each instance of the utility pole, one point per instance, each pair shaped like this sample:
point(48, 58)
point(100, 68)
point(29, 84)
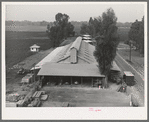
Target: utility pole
point(130, 51)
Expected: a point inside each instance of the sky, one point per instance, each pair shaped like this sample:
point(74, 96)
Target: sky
point(77, 11)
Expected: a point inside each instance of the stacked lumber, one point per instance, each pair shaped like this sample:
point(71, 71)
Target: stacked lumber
point(20, 103)
point(27, 99)
point(35, 103)
point(11, 104)
point(44, 97)
point(38, 94)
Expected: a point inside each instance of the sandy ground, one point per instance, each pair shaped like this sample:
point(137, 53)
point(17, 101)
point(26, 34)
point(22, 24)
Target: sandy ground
point(86, 97)
point(13, 79)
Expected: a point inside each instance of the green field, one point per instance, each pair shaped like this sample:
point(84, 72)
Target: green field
point(26, 28)
point(123, 33)
point(20, 38)
point(18, 45)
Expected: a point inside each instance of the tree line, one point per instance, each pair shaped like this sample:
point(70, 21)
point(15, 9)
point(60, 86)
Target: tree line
point(27, 23)
point(45, 23)
point(136, 35)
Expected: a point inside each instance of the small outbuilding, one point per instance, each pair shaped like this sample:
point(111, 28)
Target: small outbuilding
point(34, 48)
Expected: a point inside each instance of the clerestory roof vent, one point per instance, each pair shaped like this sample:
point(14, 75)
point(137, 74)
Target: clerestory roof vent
point(76, 44)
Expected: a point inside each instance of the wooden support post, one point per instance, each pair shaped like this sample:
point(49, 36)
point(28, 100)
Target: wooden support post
point(81, 81)
point(92, 82)
point(103, 82)
point(71, 81)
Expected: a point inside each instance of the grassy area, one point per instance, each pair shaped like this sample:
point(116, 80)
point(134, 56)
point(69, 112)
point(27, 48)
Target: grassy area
point(18, 45)
point(26, 28)
point(136, 60)
point(123, 33)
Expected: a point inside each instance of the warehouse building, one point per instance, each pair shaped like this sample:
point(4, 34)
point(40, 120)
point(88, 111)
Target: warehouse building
point(73, 64)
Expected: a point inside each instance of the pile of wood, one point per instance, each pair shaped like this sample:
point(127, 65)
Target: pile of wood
point(23, 100)
point(35, 103)
point(37, 97)
point(65, 104)
point(14, 97)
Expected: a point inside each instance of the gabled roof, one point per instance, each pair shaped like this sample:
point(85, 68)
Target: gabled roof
point(62, 57)
point(35, 46)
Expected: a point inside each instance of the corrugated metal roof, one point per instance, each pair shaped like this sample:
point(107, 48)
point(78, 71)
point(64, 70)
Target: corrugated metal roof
point(59, 69)
point(86, 52)
point(52, 57)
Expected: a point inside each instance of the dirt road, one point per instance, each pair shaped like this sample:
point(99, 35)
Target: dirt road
point(138, 89)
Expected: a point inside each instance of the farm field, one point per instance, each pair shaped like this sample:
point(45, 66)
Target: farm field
point(136, 61)
point(123, 33)
point(20, 38)
point(18, 45)
point(26, 28)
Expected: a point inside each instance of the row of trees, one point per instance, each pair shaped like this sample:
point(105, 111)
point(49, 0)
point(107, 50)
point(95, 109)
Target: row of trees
point(60, 30)
point(98, 25)
point(136, 35)
point(45, 23)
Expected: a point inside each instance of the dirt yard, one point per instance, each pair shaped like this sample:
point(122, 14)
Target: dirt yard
point(85, 97)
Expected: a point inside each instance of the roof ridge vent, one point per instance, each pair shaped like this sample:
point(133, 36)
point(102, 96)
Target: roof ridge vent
point(76, 44)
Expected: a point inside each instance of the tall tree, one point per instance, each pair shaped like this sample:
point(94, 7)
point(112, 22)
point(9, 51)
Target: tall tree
point(106, 43)
point(141, 35)
point(136, 34)
point(93, 27)
point(61, 29)
point(84, 29)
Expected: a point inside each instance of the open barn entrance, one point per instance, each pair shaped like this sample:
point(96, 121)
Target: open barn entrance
point(72, 81)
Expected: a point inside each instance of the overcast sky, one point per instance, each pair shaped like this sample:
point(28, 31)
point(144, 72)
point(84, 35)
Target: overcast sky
point(78, 11)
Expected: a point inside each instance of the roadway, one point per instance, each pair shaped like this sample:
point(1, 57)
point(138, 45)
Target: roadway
point(125, 66)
